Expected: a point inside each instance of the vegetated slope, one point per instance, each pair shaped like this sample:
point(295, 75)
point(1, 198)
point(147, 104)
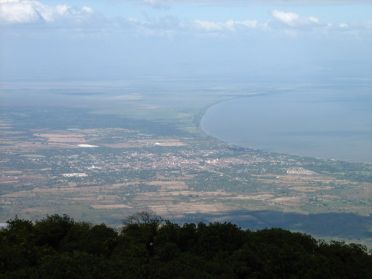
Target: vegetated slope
point(149, 247)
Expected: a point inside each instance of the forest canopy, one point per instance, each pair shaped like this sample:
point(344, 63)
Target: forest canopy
point(147, 246)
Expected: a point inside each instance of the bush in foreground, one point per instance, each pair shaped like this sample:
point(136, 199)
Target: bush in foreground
point(147, 247)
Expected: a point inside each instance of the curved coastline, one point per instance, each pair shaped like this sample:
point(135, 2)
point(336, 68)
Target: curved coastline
point(203, 111)
point(199, 117)
point(207, 133)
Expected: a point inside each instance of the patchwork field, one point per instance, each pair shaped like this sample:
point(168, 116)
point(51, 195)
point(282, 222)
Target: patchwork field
point(149, 154)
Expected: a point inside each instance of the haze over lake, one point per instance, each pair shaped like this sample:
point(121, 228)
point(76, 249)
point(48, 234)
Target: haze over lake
point(331, 122)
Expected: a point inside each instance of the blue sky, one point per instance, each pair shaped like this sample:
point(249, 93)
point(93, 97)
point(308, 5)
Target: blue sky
point(120, 39)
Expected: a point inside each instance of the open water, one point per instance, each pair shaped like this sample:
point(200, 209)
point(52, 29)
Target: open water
point(325, 123)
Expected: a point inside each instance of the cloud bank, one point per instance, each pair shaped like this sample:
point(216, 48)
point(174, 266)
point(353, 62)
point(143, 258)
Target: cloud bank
point(85, 20)
point(294, 20)
point(31, 11)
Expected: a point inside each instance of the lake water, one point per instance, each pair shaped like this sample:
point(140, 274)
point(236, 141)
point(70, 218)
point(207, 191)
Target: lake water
point(324, 123)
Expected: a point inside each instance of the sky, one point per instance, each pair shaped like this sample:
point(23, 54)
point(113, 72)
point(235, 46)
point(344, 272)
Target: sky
point(123, 39)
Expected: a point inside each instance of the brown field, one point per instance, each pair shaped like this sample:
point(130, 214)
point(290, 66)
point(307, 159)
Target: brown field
point(6, 180)
point(288, 200)
point(110, 206)
point(187, 208)
point(170, 185)
point(258, 197)
point(147, 143)
point(72, 138)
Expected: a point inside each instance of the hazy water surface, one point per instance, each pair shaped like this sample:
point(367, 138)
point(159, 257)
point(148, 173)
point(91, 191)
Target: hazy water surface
point(324, 123)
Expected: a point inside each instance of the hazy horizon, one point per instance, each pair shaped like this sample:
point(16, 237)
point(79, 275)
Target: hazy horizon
point(108, 40)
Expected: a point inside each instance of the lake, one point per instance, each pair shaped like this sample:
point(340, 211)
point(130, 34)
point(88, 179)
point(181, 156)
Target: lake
point(324, 122)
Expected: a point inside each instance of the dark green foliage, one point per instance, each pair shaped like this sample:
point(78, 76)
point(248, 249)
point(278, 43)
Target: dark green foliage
point(150, 247)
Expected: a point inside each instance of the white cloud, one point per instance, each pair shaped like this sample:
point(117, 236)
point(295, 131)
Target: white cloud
point(208, 25)
point(286, 17)
point(229, 25)
point(313, 19)
point(84, 20)
point(294, 20)
point(31, 11)
point(62, 9)
point(17, 12)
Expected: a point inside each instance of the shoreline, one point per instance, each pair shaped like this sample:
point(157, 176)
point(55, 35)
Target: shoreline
point(204, 133)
